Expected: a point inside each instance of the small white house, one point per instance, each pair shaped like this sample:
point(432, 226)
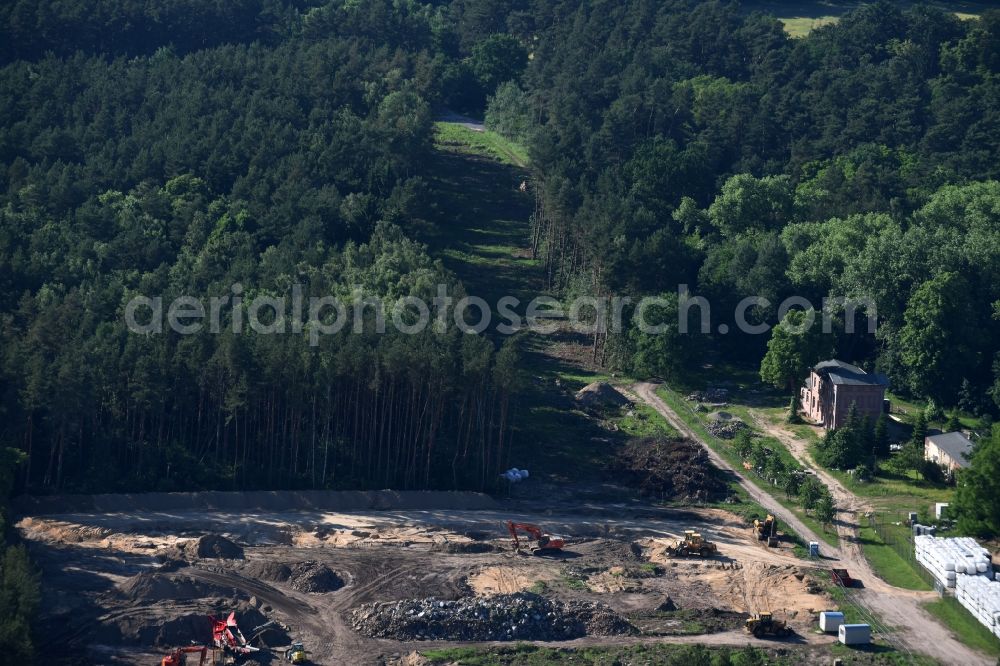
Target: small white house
point(951, 449)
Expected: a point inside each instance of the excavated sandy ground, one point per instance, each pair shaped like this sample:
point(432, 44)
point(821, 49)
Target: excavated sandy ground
point(95, 602)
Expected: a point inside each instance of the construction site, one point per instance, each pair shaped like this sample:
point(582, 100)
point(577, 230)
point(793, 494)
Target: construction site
point(376, 577)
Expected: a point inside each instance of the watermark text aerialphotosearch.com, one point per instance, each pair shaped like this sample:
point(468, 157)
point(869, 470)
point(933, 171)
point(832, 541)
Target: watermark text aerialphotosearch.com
point(316, 316)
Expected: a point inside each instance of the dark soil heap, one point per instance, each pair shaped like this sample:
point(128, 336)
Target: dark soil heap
point(670, 469)
point(305, 576)
point(314, 577)
point(156, 586)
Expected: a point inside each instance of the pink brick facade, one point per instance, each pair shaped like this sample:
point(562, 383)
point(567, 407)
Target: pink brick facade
point(833, 386)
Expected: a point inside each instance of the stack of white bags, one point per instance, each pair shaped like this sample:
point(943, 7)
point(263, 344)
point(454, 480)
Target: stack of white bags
point(981, 597)
point(946, 559)
point(514, 474)
point(963, 564)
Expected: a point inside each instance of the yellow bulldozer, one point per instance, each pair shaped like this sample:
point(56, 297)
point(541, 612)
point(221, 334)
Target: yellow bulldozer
point(764, 625)
point(766, 530)
point(692, 544)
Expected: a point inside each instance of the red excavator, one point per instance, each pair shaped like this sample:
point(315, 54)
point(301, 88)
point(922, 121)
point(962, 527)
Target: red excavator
point(545, 543)
point(179, 656)
point(226, 635)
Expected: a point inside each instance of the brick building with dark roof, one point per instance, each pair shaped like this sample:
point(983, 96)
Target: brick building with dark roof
point(833, 386)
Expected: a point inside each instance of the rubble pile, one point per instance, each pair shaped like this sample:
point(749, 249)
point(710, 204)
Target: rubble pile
point(504, 617)
point(711, 395)
point(726, 428)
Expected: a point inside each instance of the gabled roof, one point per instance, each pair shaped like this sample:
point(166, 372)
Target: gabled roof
point(840, 372)
point(955, 444)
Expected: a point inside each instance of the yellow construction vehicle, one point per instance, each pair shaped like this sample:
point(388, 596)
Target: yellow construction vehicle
point(692, 544)
point(764, 625)
point(297, 654)
point(766, 530)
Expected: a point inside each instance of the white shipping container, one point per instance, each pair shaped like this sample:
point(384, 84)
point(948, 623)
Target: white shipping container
point(830, 621)
point(855, 634)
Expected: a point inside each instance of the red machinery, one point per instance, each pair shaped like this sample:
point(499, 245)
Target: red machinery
point(546, 543)
point(226, 634)
point(841, 577)
point(179, 656)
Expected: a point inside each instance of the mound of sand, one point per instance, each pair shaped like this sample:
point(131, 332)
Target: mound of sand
point(306, 576)
point(269, 570)
point(506, 579)
point(600, 394)
point(212, 546)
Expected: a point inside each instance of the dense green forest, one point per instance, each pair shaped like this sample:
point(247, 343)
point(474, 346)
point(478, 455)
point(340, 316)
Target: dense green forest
point(254, 163)
point(705, 147)
point(269, 143)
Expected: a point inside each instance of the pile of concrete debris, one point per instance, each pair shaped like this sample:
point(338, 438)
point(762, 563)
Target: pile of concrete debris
point(504, 617)
point(710, 395)
point(726, 428)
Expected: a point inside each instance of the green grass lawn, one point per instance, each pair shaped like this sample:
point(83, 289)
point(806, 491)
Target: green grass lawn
point(802, 25)
point(644, 421)
point(906, 410)
point(459, 138)
point(524, 654)
point(894, 494)
point(800, 17)
point(966, 628)
point(887, 563)
point(479, 222)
